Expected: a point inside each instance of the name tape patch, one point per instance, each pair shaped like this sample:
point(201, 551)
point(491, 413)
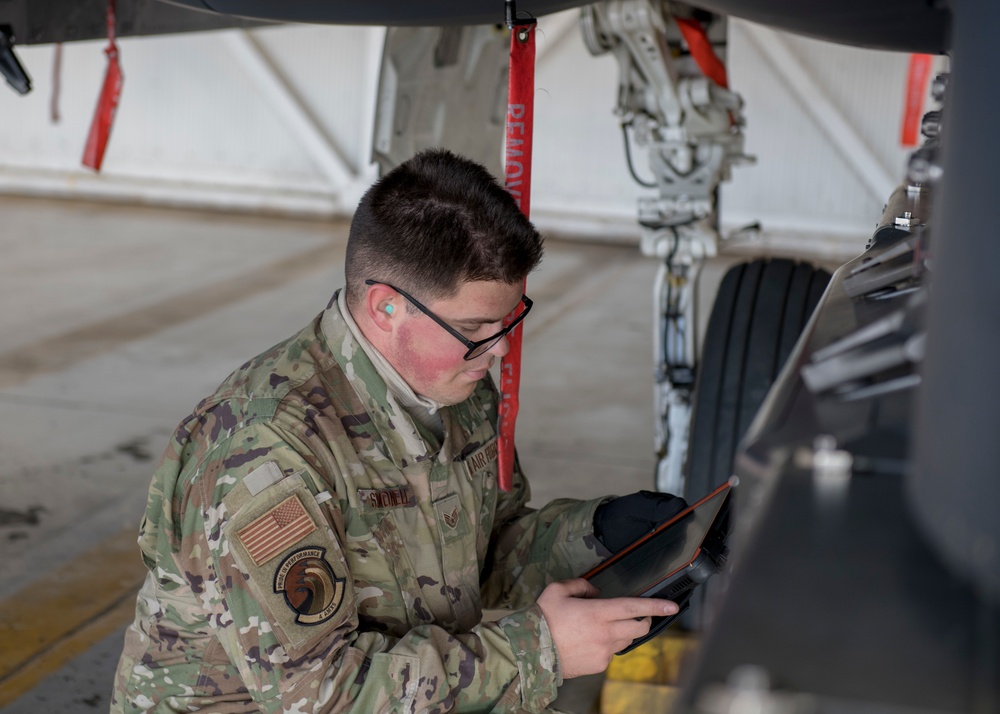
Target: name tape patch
point(482, 458)
point(397, 497)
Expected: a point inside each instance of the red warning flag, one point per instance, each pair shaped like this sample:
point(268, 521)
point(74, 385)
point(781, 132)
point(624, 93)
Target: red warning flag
point(517, 180)
point(107, 103)
point(918, 75)
point(700, 46)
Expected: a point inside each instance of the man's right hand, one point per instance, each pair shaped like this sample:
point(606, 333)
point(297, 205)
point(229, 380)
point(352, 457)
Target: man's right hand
point(588, 631)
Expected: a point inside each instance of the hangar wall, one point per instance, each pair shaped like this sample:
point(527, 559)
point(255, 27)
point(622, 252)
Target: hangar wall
point(279, 119)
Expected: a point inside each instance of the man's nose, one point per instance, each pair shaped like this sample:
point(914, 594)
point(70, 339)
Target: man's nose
point(501, 348)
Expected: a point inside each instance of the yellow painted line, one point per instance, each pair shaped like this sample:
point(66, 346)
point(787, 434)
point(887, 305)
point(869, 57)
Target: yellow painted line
point(633, 697)
point(63, 613)
point(51, 660)
point(644, 679)
point(657, 661)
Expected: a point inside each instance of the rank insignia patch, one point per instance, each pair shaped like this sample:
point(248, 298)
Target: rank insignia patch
point(449, 513)
point(277, 530)
point(309, 585)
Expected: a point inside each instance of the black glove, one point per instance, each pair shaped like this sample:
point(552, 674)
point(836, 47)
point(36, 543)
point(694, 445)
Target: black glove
point(619, 522)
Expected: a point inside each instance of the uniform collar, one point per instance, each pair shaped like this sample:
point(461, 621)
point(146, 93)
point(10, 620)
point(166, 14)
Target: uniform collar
point(365, 368)
point(394, 381)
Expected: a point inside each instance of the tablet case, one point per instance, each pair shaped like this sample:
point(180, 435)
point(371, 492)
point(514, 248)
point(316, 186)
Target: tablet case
point(671, 561)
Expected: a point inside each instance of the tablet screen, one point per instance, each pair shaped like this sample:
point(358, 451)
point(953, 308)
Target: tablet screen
point(675, 545)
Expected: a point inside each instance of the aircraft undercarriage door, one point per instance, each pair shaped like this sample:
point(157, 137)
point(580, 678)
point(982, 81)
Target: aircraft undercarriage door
point(442, 87)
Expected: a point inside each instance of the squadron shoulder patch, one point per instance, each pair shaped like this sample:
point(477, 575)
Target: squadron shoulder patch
point(280, 528)
point(309, 585)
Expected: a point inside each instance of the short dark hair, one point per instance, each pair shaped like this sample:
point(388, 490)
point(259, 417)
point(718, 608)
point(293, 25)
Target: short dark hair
point(434, 222)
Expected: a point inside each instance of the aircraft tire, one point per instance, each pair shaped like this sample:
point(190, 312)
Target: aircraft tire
point(759, 312)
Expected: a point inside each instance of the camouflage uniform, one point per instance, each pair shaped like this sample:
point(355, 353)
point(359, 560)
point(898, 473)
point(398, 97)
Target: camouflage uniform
point(312, 548)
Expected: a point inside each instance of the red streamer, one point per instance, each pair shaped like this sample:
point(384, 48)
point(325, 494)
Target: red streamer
point(107, 102)
point(701, 50)
point(517, 180)
point(916, 89)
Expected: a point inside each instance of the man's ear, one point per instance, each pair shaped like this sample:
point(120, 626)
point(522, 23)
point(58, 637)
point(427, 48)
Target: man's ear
point(382, 305)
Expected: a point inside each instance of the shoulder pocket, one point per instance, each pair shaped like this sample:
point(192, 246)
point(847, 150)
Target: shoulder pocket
point(292, 563)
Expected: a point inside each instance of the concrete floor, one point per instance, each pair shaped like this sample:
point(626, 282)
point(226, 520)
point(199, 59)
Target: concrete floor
point(117, 320)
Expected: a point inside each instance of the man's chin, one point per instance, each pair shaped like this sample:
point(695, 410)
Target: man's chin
point(458, 394)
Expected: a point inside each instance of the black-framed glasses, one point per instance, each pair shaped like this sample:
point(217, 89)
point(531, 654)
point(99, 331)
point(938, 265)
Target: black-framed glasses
point(475, 349)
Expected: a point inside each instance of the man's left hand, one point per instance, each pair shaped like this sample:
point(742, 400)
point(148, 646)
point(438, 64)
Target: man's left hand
point(624, 520)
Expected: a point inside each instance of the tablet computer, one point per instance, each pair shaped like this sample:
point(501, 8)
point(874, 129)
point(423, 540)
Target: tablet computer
point(671, 561)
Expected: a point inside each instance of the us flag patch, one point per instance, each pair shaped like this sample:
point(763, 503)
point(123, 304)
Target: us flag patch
point(277, 530)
